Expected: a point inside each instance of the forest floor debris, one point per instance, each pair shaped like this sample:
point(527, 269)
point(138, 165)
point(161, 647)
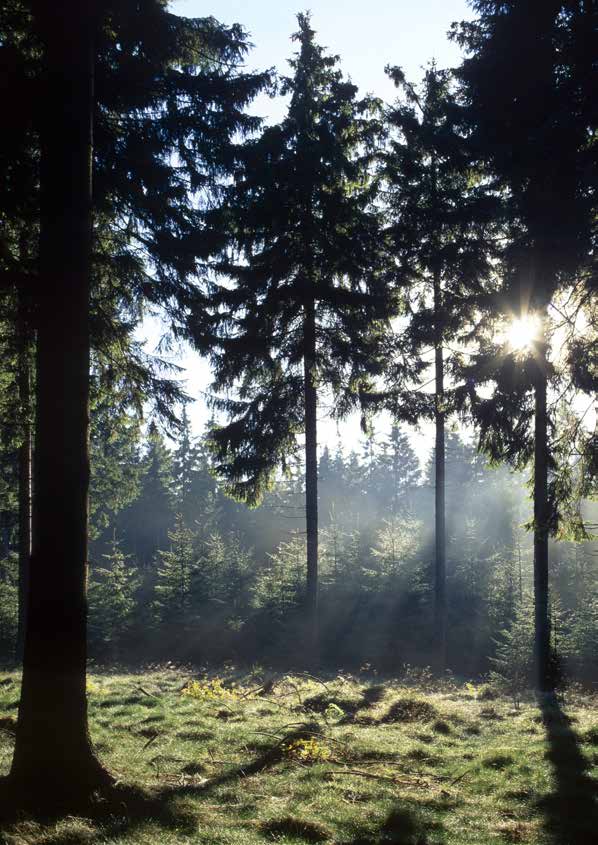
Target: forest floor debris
point(344, 761)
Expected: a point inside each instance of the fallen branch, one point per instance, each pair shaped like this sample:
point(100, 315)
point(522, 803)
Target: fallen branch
point(371, 776)
point(145, 692)
point(313, 678)
point(284, 727)
point(462, 775)
point(296, 688)
point(264, 688)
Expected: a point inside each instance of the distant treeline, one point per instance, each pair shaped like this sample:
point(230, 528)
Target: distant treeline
point(181, 572)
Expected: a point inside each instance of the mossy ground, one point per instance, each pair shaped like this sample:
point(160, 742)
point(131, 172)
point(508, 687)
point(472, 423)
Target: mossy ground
point(345, 760)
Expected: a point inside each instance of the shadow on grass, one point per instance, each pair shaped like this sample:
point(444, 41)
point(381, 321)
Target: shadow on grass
point(571, 810)
point(402, 826)
point(372, 695)
point(296, 828)
point(270, 757)
point(111, 812)
point(120, 809)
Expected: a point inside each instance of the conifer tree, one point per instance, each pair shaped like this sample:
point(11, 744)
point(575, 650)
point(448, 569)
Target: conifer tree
point(115, 439)
point(146, 523)
point(8, 603)
point(398, 472)
point(303, 313)
point(195, 492)
point(534, 131)
point(112, 601)
point(175, 576)
point(61, 760)
point(164, 85)
point(396, 548)
point(226, 566)
point(279, 588)
point(441, 234)
point(184, 461)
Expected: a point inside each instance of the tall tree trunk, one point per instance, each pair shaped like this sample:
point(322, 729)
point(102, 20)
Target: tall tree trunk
point(440, 608)
point(311, 475)
point(54, 758)
point(24, 462)
point(544, 679)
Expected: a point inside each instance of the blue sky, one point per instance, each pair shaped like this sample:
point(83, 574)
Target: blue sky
point(367, 36)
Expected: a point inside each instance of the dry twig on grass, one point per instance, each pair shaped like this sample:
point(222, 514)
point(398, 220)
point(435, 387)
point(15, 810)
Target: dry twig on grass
point(145, 692)
point(372, 776)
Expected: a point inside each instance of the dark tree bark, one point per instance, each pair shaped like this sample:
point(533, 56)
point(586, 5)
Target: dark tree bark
point(24, 341)
point(311, 474)
point(54, 758)
point(440, 608)
point(544, 677)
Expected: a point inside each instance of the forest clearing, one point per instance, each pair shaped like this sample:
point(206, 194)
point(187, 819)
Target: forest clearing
point(351, 760)
point(299, 422)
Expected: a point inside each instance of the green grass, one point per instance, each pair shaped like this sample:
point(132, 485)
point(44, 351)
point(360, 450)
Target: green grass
point(350, 761)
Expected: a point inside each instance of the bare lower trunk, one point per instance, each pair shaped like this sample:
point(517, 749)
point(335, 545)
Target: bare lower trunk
point(311, 477)
point(544, 678)
point(440, 608)
point(53, 752)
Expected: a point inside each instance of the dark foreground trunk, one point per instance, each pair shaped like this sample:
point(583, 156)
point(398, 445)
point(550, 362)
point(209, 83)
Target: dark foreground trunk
point(24, 461)
point(440, 609)
point(54, 760)
point(311, 479)
point(544, 678)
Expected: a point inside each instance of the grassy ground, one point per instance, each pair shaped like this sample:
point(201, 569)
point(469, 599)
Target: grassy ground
point(351, 761)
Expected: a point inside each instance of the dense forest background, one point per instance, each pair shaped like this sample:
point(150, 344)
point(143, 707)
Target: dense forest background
point(181, 572)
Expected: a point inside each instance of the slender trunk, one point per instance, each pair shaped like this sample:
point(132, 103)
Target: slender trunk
point(54, 758)
point(520, 572)
point(395, 480)
point(24, 462)
point(440, 610)
point(541, 516)
point(311, 474)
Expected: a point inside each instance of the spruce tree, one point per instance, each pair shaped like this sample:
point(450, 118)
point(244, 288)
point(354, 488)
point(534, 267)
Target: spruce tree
point(533, 130)
point(441, 232)
point(9, 601)
point(61, 761)
point(397, 472)
point(145, 525)
point(300, 312)
point(115, 439)
point(165, 88)
point(195, 493)
point(112, 601)
point(177, 567)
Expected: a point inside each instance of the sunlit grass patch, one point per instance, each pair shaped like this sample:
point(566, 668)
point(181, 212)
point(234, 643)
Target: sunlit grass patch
point(274, 763)
point(307, 750)
point(93, 687)
point(211, 690)
point(68, 831)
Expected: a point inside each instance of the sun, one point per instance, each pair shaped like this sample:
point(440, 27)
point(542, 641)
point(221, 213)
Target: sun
point(522, 333)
